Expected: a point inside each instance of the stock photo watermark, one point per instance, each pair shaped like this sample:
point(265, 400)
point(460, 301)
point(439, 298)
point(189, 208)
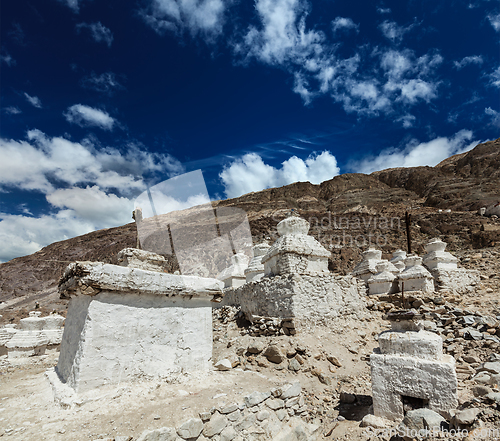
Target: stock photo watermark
point(359, 231)
point(434, 432)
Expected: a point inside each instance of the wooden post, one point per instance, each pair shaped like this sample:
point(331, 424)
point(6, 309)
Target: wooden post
point(408, 232)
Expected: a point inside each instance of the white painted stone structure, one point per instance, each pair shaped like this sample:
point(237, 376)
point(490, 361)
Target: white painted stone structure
point(385, 281)
point(255, 270)
point(398, 260)
point(437, 257)
point(53, 330)
point(297, 284)
point(415, 277)
point(6, 333)
point(444, 268)
point(410, 363)
point(234, 276)
point(125, 323)
point(29, 340)
point(146, 260)
point(295, 252)
point(368, 266)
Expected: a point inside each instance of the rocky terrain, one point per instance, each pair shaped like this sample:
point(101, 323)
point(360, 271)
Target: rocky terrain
point(442, 200)
point(246, 395)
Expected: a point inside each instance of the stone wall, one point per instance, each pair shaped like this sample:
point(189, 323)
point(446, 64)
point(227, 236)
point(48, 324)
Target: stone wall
point(318, 299)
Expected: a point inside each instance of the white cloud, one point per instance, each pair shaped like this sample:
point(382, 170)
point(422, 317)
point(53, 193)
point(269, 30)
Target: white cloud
point(466, 61)
point(495, 116)
point(250, 173)
point(382, 10)
point(33, 100)
point(7, 59)
point(80, 211)
point(282, 37)
point(98, 31)
point(396, 63)
point(393, 32)
point(91, 204)
point(12, 110)
point(413, 90)
point(495, 21)
point(23, 235)
point(417, 153)
point(72, 4)
point(41, 163)
point(202, 16)
point(495, 78)
point(86, 116)
point(106, 82)
point(343, 23)
point(87, 188)
point(407, 121)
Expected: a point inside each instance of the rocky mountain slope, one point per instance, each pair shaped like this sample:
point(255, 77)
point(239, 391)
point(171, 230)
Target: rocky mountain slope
point(347, 214)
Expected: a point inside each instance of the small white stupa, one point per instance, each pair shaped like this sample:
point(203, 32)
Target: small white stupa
point(415, 277)
point(29, 339)
point(384, 282)
point(234, 275)
point(368, 266)
point(398, 259)
point(295, 252)
point(437, 257)
point(255, 270)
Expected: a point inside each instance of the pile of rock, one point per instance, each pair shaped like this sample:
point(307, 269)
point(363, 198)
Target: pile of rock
point(262, 416)
point(268, 326)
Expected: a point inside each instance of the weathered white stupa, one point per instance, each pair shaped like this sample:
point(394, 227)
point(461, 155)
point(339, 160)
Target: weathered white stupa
point(398, 260)
point(297, 283)
point(29, 340)
point(234, 276)
point(368, 266)
point(444, 268)
point(415, 277)
point(295, 251)
point(410, 365)
point(385, 281)
point(255, 270)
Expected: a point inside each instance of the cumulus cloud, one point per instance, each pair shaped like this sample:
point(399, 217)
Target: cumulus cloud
point(87, 188)
point(282, 36)
point(106, 82)
point(394, 32)
point(466, 61)
point(250, 173)
point(495, 21)
point(43, 163)
point(203, 16)
point(86, 116)
point(417, 153)
point(33, 100)
point(343, 23)
point(78, 211)
point(98, 31)
point(12, 110)
point(91, 204)
point(74, 5)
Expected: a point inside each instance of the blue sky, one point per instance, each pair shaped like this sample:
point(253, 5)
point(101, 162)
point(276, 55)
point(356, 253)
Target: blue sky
point(100, 99)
